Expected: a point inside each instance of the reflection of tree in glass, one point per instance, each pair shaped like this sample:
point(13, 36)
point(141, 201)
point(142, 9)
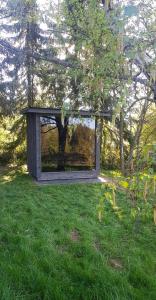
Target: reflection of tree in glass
point(62, 137)
point(56, 123)
point(82, 142)
point(67, 145)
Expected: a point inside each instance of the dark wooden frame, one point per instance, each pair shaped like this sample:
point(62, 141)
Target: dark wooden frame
point(34, 144)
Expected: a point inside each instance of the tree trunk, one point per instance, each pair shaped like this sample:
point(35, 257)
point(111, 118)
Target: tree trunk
point(136, 140)
point(121, 128)
point(62, 136)
point(30, 84)
point(104, 144)
point(29, 65)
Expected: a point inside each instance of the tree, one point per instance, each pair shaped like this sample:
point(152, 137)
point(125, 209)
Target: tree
point(21, 36)
point(92, 54)
point(96, 48)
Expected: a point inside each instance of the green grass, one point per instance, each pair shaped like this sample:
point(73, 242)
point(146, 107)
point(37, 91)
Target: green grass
point(52, 245)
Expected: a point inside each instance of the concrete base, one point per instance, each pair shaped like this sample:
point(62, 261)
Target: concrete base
point(72, 181)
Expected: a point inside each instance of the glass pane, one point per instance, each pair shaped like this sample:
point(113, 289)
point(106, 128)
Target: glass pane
point(67, 144)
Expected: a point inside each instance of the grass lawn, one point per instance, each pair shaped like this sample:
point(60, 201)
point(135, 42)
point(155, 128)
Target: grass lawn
point(52, 245)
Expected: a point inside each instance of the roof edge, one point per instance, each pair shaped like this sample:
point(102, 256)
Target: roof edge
point(57, 111)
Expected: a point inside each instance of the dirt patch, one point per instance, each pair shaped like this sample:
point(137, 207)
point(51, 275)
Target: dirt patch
point(75, 236)
point(116, 263)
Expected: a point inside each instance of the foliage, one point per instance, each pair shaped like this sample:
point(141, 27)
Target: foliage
point(140, 190)
point(88, 54)
point(95, 47)
point(21, 36)
point(11, 150)
point(140, 187)
point(4, 137)
point(109, 196)
point(148, 135)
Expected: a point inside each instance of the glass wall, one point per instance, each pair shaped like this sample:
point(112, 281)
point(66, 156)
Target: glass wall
point(67, 144)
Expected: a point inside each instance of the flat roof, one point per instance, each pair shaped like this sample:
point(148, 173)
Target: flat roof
point(57, 111)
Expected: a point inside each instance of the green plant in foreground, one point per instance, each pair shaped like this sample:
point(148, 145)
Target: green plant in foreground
point(141, 190)
point(108, 195)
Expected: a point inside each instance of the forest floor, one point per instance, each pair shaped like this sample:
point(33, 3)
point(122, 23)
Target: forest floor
point(53, 247)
